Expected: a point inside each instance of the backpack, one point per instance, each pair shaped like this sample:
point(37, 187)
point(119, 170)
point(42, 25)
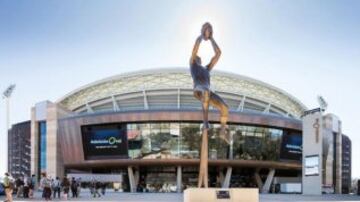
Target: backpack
point(74, 185)
point(11, 184)
point(28, 181)
point(46, 182)
point(6, 182)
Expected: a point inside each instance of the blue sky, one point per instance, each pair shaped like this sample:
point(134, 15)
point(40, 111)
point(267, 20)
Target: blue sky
point(304, 47)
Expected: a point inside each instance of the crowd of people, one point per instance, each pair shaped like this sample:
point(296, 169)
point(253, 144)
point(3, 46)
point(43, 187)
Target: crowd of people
point(52, 188)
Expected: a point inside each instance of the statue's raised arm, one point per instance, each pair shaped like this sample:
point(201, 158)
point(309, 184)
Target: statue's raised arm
point(207, 34)
point(217, 55)
point(195, 50)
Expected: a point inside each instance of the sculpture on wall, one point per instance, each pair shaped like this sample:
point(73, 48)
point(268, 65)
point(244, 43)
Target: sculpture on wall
point(201, 80)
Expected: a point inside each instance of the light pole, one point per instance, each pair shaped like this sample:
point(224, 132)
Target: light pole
point(6, 95)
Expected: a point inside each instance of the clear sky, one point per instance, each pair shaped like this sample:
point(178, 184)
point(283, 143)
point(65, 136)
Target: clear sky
point(305, 47)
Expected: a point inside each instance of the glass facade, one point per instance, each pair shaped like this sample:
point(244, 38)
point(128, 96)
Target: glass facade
point(256, 143)
point(154, 141)
point(42, 146)
point(173, 140)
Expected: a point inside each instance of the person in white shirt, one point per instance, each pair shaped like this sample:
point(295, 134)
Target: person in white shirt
point(45, 184)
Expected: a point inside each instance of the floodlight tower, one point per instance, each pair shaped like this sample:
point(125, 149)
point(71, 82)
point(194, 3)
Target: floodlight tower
point(6, 95)
point(323, 104)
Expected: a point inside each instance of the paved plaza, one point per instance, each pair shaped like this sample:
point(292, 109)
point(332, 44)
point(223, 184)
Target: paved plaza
point(175, 197)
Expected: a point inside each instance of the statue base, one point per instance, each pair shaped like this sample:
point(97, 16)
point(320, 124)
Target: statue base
point(220, 194)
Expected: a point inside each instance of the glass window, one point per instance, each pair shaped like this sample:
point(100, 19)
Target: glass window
point(153, 141)
point(190, 140)
point(182, 140)
point(42, 145)
point(218, 148)
point(134, 140)
point(256, 143)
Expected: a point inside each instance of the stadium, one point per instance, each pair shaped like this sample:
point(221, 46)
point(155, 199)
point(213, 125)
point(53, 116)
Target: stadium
point(146, 127)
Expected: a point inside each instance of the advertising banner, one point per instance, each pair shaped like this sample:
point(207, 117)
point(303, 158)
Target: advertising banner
point(291, 147)
point(106, 141)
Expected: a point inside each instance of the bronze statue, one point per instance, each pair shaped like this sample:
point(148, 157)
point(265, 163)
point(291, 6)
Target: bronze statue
point(201, 79)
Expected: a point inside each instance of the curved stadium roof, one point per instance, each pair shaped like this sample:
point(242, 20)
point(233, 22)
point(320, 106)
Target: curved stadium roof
point(171, 88)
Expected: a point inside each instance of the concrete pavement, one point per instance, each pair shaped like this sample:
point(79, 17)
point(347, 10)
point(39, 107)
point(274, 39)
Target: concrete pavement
point(175, 197)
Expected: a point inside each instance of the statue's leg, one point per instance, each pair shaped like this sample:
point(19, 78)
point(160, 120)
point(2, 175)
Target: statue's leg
point(204, 97)
point(205, 107)
point(219, 103)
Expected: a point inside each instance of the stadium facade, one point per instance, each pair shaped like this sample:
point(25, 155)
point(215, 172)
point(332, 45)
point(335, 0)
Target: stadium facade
point(145, 126)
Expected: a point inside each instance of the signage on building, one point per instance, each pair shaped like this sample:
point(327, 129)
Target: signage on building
point(312, 165)
point(106, 141)
point(291, 147)
point(316, 126)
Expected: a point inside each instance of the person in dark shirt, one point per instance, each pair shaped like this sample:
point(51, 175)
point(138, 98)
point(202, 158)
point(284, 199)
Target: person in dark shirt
point(65, 184)
point(32, 186)
point(74, 187)
point(103, 188)
point(19, 186)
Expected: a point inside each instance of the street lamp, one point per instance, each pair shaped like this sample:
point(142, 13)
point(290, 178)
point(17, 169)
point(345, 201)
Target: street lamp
point(6, 95)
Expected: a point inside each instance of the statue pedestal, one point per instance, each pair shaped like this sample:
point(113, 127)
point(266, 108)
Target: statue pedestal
point(223, 195)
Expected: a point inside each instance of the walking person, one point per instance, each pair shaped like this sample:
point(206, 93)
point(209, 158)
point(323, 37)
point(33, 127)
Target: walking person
point(95, 185)
point(56, 187)
point(8, 188)
point(74, 187)
point(27, 182)
point(19, 186)
point(65, 184)
point(45, 184)
point(32, 186)
point(92, 187)
point(103, 188)
point(78, 186)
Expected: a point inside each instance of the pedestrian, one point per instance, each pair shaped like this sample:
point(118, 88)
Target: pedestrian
point(51, 185)
point(56, 187)
point(92, 188)
point(79, 186)
point(103, 188)
point(45, 184)
point(8, 185)
point(65, 184)
point(27, 182)
point(74, 187)
point(95, 187)
point(32, 186)
point(19, 186)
